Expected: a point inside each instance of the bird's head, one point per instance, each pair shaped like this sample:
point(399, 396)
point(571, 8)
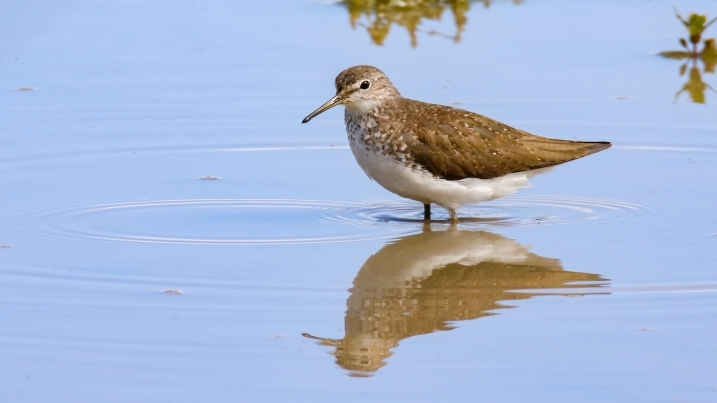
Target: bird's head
point(361, 89)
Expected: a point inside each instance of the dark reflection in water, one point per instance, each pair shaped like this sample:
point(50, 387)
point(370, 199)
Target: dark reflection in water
point(418, 284)
point(380, 15)
point(696, 24)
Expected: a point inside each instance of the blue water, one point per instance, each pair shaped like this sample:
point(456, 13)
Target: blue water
point(125, 277)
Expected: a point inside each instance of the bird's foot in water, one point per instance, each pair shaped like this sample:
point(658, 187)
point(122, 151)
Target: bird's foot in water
point(427, 212)
point(453, 213)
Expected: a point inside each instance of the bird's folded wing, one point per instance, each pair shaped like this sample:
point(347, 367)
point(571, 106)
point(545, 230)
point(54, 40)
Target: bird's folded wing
point(458, 144)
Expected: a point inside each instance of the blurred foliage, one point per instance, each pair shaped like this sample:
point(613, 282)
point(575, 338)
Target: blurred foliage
point(380, 15)
point(695, 87)
point(696, 25)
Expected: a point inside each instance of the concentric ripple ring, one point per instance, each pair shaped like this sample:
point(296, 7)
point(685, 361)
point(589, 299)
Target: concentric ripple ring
point(287, 221)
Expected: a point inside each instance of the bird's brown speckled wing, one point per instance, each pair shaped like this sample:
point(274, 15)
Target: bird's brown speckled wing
point(455, 144)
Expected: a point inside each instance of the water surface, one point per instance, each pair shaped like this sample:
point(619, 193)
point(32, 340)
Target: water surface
point(169, 231)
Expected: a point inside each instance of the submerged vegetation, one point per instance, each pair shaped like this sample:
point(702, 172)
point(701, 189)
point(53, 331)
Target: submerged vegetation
point(380, 15)
point(696, 24)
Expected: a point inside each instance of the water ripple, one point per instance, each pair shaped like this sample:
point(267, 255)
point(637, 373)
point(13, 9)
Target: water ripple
point(286, 221)
point(507, 211)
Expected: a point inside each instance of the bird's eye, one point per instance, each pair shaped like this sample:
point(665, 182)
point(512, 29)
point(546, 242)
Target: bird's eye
point(365, 85)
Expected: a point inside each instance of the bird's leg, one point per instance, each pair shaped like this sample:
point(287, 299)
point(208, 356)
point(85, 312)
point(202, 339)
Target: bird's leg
point(453, 213)
point(427, 211)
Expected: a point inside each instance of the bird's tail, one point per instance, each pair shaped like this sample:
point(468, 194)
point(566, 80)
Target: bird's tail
point(554, 151)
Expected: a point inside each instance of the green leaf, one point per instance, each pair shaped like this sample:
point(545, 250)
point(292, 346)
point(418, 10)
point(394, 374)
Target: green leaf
point(697, 24)
point(676, 54)
point(687, 24)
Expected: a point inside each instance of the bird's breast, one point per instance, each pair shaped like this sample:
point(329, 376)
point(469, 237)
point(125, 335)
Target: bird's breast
point(383, 156)
point(367, 133)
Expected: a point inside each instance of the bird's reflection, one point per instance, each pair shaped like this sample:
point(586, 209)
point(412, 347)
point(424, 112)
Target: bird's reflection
point(380, 15)
point(420, 283)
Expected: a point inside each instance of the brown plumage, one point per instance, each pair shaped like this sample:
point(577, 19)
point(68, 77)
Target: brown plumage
point(456, 144)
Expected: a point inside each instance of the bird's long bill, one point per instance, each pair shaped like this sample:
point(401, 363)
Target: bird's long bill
point(328, 105)
point(324, 341)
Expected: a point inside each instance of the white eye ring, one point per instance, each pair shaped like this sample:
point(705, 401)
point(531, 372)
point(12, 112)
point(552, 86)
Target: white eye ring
point(365, 84)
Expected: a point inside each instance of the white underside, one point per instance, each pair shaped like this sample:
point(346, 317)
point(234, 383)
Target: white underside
point(422, 186)
point(416, 257)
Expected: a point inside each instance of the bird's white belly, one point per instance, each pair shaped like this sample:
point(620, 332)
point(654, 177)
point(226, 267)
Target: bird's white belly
point(418, 184)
